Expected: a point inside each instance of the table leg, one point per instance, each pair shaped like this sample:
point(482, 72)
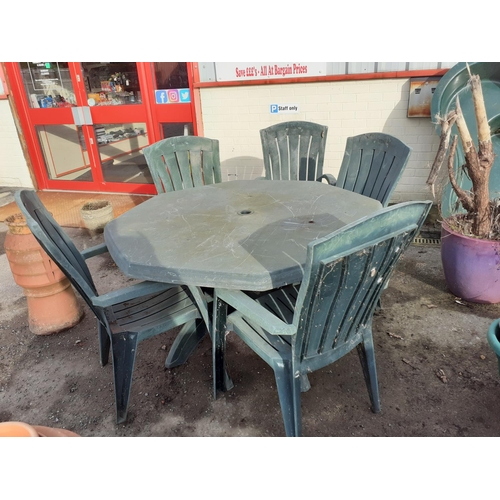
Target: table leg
point(185, 343)
point(222, 380)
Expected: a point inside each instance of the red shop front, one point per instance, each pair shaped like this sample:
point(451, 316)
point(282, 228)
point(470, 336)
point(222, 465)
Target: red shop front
point(84, 124)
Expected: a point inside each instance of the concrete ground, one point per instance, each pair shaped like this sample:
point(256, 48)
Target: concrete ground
point(437, 374)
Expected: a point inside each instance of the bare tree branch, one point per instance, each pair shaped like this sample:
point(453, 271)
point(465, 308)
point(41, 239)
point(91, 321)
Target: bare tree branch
point(446, 125)
point(463, 130)
point(483, 128)
point(464, 197)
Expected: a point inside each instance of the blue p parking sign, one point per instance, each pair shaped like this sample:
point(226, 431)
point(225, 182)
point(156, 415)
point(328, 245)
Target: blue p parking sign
point(274, 108)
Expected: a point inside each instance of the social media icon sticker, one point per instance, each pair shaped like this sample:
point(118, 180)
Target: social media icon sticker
point(185, 95)
point(161, 97)
point(173, 95)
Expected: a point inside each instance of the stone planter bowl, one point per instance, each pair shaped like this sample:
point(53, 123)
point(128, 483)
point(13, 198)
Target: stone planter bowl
point(96, 214)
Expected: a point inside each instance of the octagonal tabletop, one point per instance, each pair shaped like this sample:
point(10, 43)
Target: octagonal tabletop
point(245, 235)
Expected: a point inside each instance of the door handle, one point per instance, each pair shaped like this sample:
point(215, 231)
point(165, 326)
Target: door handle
point(82, 116)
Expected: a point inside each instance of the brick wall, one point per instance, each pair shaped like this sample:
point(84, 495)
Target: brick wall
point(13, 168)
point(234, 115)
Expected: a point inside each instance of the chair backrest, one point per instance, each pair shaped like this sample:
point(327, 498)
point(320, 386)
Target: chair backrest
point(344, 276)
point(58, 247)
point(183, 162)
point(373, 164)
point(294, 150)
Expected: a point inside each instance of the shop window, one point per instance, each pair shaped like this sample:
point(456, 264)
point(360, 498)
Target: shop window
point(48, 84)
point(171, 75)
point(65, 152)
point(120, 146)
point(110, 84)
point(176, 129)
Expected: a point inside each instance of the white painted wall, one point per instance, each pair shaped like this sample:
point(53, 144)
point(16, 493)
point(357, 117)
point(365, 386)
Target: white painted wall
point(234, 115)
point(13, 167)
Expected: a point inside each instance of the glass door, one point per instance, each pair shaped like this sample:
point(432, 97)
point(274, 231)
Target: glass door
point(49, 95)
point(118, 128)
point(86, 123)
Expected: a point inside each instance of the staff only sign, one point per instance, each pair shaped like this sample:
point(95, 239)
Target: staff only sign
point(284, 108)
point(230, 72)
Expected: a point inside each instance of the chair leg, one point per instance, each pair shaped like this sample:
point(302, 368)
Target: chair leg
point(367, 357)
point(185, 343)
point(104, 344)
point(124, 347)
point(305, 385)
point(221, 379)
point(289, 395)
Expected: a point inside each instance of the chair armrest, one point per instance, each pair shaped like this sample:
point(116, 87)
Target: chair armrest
point(329, 178)
point(92, 251)
point(131, 292)
point(202, 299)
point(255, 312)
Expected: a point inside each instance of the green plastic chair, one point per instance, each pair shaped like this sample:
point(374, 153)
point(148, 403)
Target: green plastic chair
point(175, 164)
point(183, 162)
point(126, 316)
point(295, 150)
point(373, 164)
point(299, 329)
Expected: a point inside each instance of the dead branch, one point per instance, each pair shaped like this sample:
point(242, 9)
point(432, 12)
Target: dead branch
point(463, 131)
point(463, 196)
point(446, 125)
point(483, 129)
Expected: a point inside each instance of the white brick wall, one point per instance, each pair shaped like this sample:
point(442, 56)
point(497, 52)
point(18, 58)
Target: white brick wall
point(13, 168)
point(234, 115)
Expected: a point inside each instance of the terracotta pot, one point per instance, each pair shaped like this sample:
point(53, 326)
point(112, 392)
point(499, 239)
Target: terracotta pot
point(96, 214)
point(53, 432)
point(17, 429)
point(471, 266)
point(52, 304)
point(20, 429)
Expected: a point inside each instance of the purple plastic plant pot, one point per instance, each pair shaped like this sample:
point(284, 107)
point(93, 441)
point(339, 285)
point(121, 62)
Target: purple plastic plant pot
point(471, 266)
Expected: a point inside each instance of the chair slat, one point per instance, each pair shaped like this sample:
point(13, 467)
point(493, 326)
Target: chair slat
point(159, 301)
point(163, 317)
point(184, 163)
point(172, 169)
point(366, 166)
point(281, 170)
point(374, 173)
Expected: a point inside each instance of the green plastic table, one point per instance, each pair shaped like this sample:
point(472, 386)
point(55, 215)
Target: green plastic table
point(244, 235)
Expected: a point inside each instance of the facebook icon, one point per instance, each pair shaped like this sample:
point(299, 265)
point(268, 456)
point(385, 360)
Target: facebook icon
point(274, 108)
point(161, 97)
